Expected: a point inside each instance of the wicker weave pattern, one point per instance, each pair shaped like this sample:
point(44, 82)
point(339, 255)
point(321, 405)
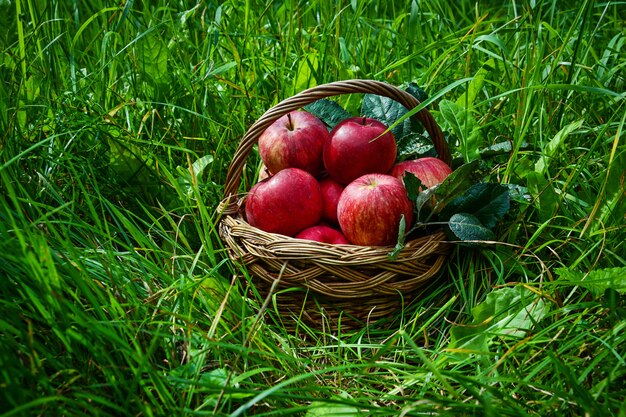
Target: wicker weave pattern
point(359, 283)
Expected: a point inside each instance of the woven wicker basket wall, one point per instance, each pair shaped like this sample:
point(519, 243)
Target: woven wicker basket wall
point(317, 282)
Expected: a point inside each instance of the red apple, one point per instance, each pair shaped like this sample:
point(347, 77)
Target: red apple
point(295, 140)
point(323, 233)
point(359, 146)
point(370, 209)
point(331, 191)
point(430, 171)
point(285, 203)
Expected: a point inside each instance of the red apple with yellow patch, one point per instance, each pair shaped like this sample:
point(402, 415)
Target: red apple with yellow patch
point(370, 209)
point(430, 171)
point(295, 140)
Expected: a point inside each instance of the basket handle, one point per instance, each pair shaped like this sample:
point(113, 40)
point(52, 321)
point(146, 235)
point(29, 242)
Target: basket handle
point(233, 176)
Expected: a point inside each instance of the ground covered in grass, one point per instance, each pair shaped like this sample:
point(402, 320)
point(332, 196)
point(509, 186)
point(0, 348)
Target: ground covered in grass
point(118, 123)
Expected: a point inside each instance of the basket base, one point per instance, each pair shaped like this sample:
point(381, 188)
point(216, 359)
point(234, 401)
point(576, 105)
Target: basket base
point(296, 308)
point(332, 286)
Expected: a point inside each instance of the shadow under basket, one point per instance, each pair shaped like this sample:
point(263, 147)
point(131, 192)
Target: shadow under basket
point(326, 285)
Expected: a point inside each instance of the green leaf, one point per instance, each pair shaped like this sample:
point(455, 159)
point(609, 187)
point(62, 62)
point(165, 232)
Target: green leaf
point(413, 146)
point(423, 204)
point(474, 87)
point(216, 289)
point(555, 143)
point(468, 227)
point(544, 194)
point(328, 111)
point(126, 161)
point(416, 91)
point(412, 184)
point(217, 377)
point(596, 281)
point(401, 237)
point(519, 193)
point(331, 409)
point(500, 148)
point(613, 204)
point(488, 202)
point(387, 111)
point(185, 179)
point(153, 55)
point(32, 88)
point(497, 149)
point(222, 68)
point(465, 127)
point(455, 184)
point(307, 69)
point(506, 312)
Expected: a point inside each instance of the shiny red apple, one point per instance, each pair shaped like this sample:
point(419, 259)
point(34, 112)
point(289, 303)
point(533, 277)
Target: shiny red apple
point(370, 209)
point(430, 171)
point(331, 191)
point(295, 140)
point(285, 203)
point(323, 233)
point(358, 146)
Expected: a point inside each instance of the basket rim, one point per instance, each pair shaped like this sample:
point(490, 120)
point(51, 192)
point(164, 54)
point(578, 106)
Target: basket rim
point(291, 248)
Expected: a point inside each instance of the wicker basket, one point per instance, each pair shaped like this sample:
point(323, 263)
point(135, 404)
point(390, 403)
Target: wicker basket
point(325, 284)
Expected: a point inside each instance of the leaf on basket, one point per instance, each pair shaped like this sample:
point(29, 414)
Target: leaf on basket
point(416, 91)
point(457, 183)
point(473, 215)
point(414, 145)
point(468, 227)
point(412, 184)
point(387, 111)
point(393, 255)
point(328, 111)
point(486, 201)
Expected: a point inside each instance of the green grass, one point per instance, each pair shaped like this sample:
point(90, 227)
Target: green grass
point(118, 123)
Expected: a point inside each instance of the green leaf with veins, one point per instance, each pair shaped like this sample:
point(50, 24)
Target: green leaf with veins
point(488, 202)
point(416, 91)
point(413, 146)
point(507, 312)
point(387, 111)
point(468, 227)
point(328, 111)
point(465, 127)
point(457, 183)
point(596, 281)
point(412, 184)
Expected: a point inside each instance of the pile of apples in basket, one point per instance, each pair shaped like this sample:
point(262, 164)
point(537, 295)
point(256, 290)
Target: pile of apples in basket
point(347, 185)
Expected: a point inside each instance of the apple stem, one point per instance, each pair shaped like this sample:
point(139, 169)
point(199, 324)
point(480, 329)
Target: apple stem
point(290, 123)
point(364, 120)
